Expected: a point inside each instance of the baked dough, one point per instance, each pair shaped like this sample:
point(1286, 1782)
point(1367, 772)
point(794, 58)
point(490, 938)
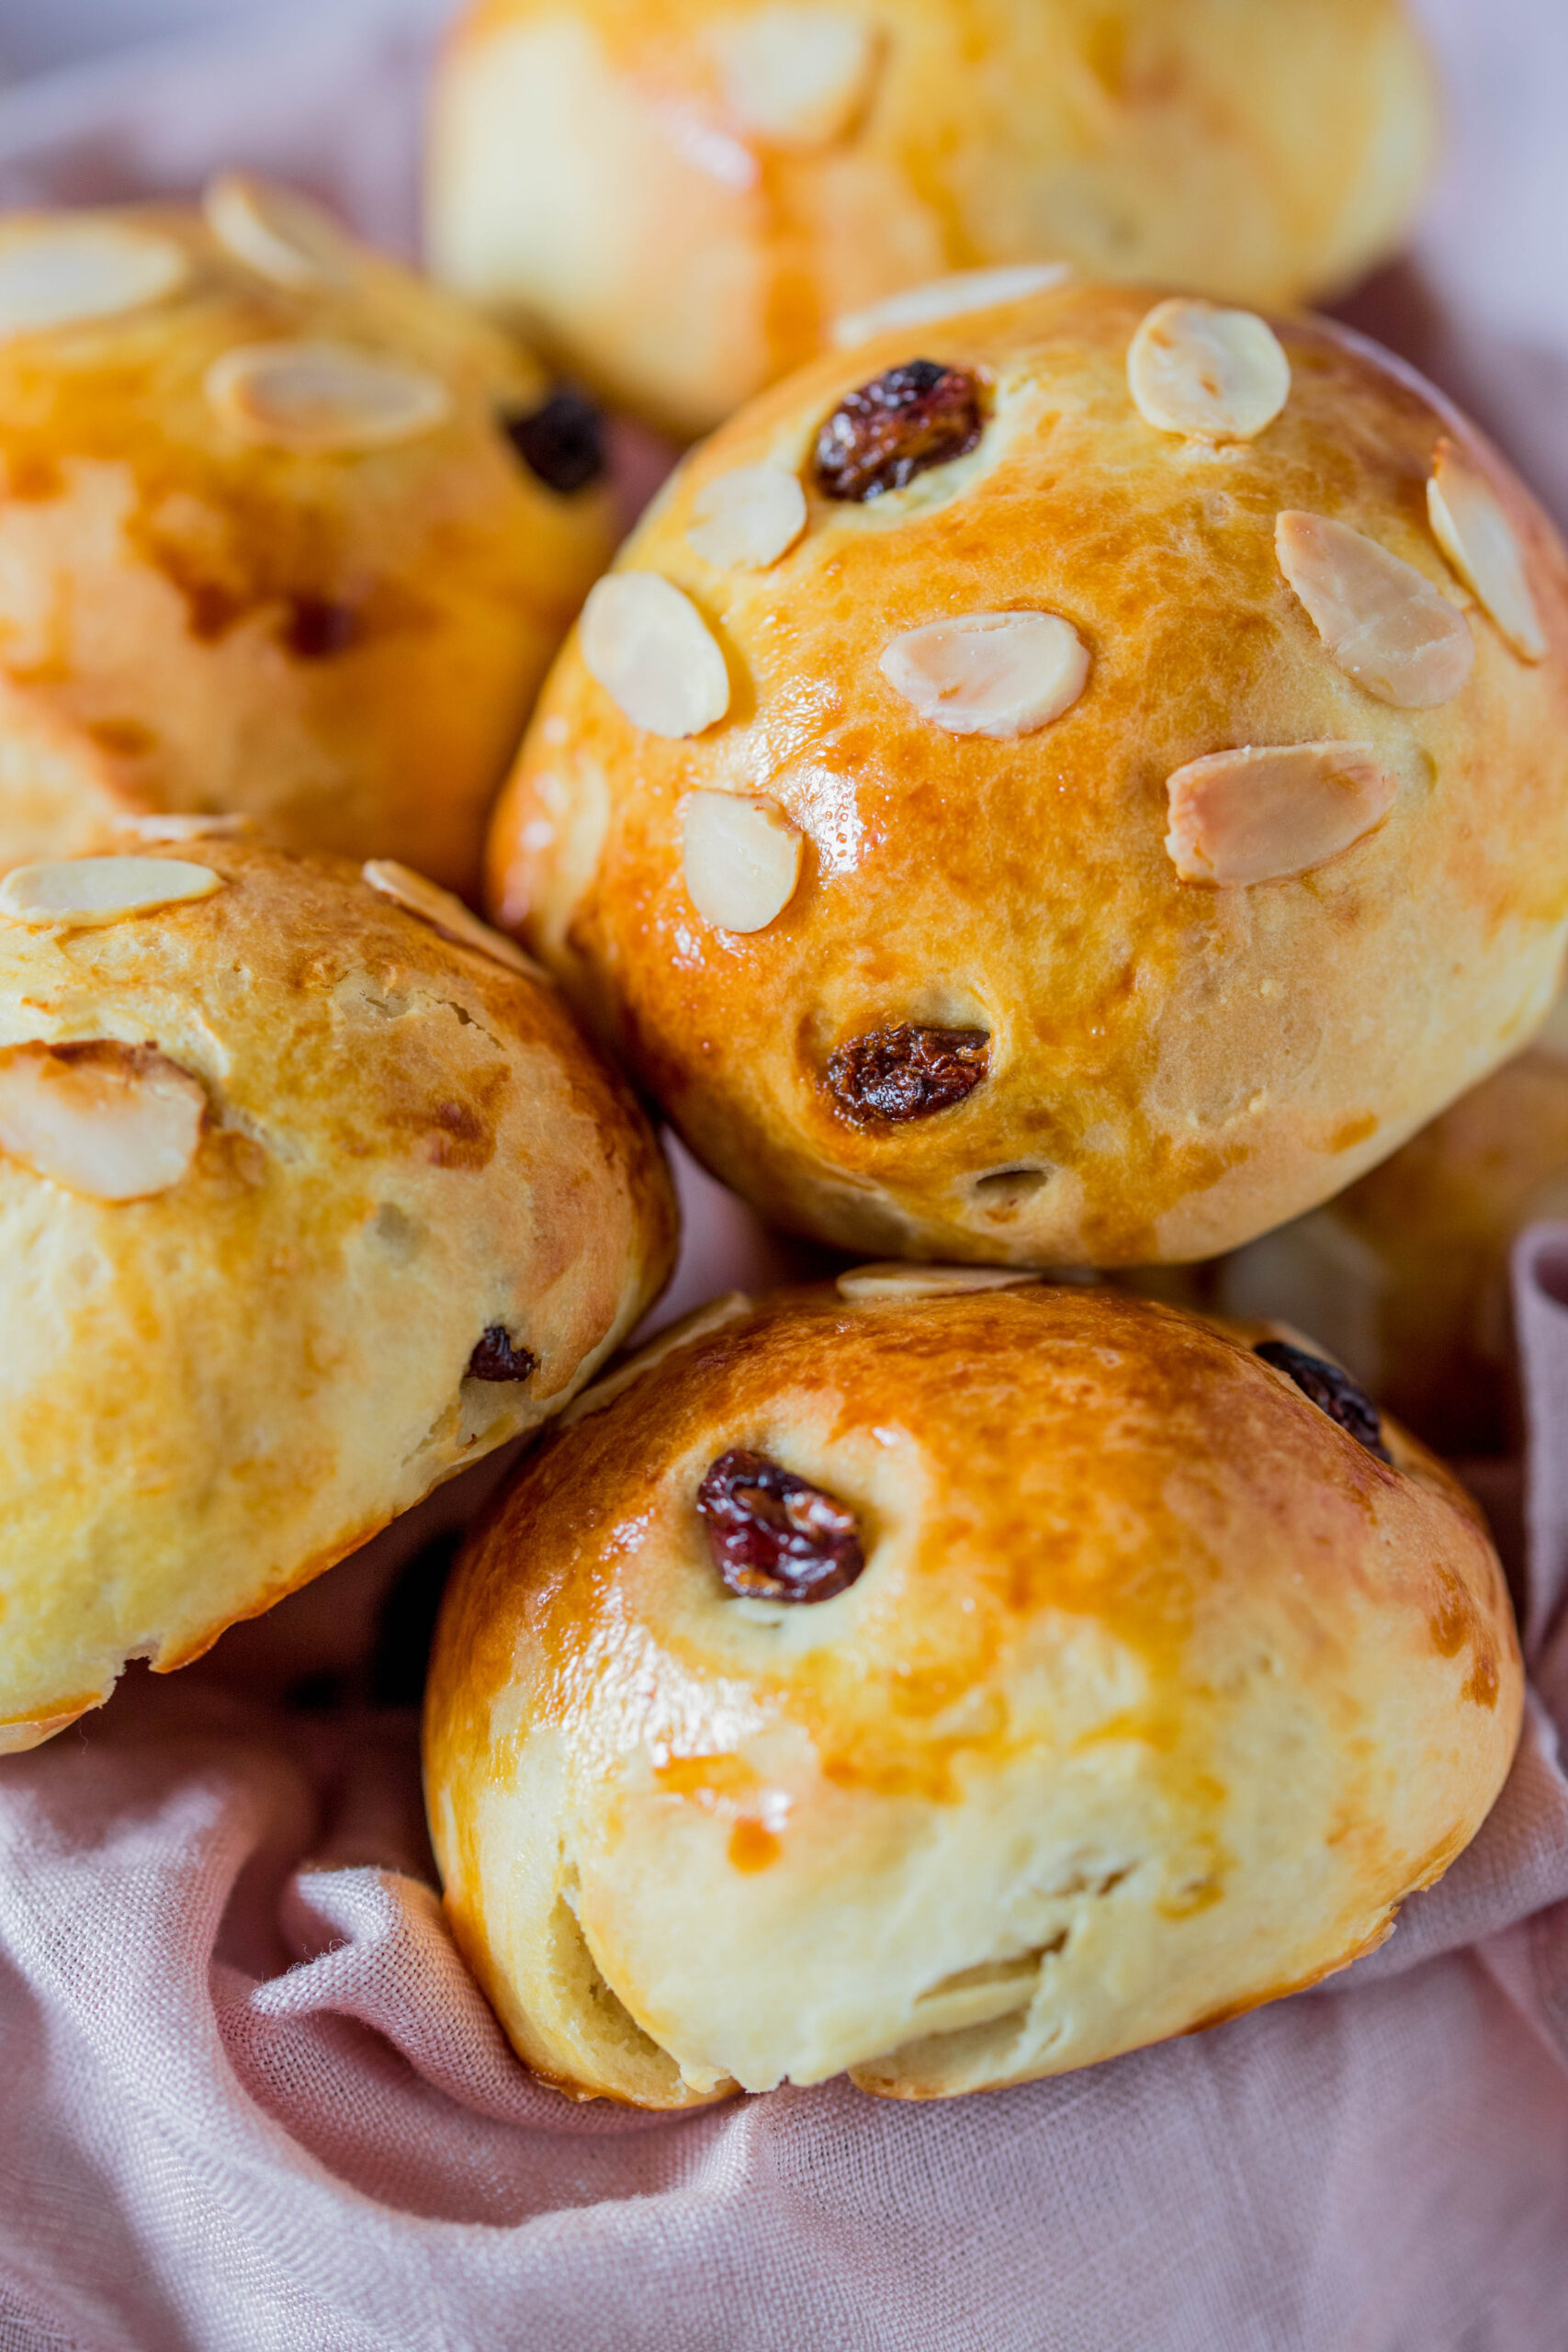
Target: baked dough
point(1406, 1276)
point(266, 543)
point(1102, 847)
point(1155, 1694)
point(683, 197)
point(305, 1204)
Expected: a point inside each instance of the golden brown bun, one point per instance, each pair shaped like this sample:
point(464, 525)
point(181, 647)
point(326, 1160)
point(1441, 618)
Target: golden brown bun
point(1406, 1276)
point(681, 196)
point(1158, 1694)
point(215, 1388)
point(343, 641)
point(1173, 1066)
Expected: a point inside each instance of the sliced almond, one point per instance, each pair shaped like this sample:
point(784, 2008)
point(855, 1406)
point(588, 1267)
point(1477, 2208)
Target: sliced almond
point(897, 1279)
point(445, 914)
point(653, 653)
point(797, 74)
point(115, 1122)
point(61, 272)
point(1261, 815)
point(741, 860)
point(1476, 536)
point(749, 515)
point(989, 674)
point(949, 298)
point(80, 892)
point(1218, 375)
point(323, 396)
point(170, 825)
point(278, 232)
point(696, 1326)
point(1384, 624)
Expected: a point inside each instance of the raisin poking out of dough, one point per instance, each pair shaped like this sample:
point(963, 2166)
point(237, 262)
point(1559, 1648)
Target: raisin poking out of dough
point(1331, 1390)
point(316, 629)
point(881, 436)
point(562, 444)
point(496, 1358)
point(907, 1073)
point(774, 1536)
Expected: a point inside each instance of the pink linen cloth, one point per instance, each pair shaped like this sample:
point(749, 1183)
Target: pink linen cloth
point(251, 2099)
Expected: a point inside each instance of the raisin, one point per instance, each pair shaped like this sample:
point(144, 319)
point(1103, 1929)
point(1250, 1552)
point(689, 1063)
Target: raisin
point(562, 444)
point(496, 1357)
point(1332, 1391)
point(317, 628)
point(776, 1536)
point(881, 436)
point(907, 1073)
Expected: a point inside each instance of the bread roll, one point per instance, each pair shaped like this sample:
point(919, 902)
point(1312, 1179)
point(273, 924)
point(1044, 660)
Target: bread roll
point(1076, 783)
point(308, 1198)
point(956, 1688)
point(686, 198)
point(270, 536)
point(1406, 1276)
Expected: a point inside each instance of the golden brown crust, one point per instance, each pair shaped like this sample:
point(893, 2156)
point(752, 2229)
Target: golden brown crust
point(599, 175)
point(344, 643)
point(215, 1391)
point(1158, 1694)
point(1173, 1067)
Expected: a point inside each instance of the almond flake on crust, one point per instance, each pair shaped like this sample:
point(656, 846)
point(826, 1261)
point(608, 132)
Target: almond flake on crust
point(324, 397)
point(66, 273)
point(989, 674)
point(1478, 540)
point(445, 913)
point(897, 1279)
point(954, 297)
point(1213, 374)
point(1381, 620)
point(278, 233)
point(696, 1326)
point(79, 893)
point(1265, 814)
point(797, 73)
point(176, 825)
point(748, 516)
point(646, 643)
point(111, 1121)
point(741, 860)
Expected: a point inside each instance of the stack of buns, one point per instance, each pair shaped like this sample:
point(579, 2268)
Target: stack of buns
point(1070, 780)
